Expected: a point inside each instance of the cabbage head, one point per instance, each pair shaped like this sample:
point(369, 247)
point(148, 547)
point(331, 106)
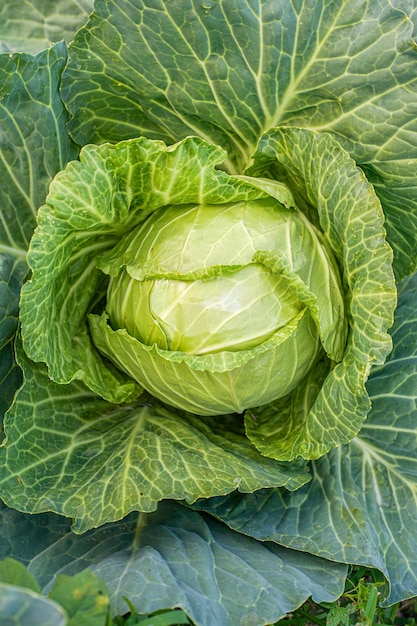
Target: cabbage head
point(266, 294)
point(226, 306)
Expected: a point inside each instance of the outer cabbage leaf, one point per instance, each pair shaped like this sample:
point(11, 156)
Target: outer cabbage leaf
point(35, 143)
point(175, 558)
point(22, 606)
point(34, 146)
point(229, 71)
point(31, 25)
point(324, 179)
point(361, 506)
point(12, 272)
point(69, 451)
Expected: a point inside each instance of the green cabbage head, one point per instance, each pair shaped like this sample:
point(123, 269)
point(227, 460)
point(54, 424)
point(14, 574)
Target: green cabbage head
point(225, 307)
point(266, 293)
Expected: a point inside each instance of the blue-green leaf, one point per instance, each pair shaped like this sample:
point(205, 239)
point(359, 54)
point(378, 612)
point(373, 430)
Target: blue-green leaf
point(176, 557)
point(20, 607)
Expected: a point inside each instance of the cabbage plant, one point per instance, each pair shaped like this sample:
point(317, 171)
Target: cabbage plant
point(208, 335)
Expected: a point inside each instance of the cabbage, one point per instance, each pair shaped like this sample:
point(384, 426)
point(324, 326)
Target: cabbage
point(208, 213)
point(234, 333)
point(168, 246)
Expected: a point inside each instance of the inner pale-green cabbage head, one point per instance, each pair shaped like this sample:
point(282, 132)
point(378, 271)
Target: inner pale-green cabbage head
point(193, 289)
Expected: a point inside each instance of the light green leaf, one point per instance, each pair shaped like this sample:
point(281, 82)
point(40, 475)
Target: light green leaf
point(361, 506)
point(12, 572)
point(218, 383)
point(84, 597)
point(71, 452)
point(20, 607)
point(273, 238)
point(31, 25)
point(92, 204)
point(338, 616)
point(327, 184)
point(229, 71)
point(178, 558)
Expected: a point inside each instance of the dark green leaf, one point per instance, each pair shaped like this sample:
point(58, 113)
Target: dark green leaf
point(35, 143)
point(176, 557)
point(229, 71)
point(31, 25)
point(34, 146)
point(12, 272)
